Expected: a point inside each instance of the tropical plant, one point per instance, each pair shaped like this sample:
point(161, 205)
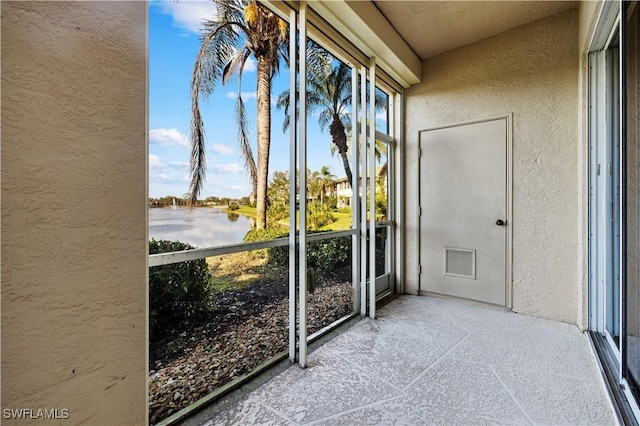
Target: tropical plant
point(324, 178)
point(241, 29)
point(329, 91)
point(314, 185)
point(278, 189)
point(318, 215)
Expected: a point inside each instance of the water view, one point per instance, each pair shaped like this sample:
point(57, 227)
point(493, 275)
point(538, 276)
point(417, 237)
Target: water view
point(200, 227)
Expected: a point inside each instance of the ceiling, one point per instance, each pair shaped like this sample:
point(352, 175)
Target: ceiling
point(433, 27)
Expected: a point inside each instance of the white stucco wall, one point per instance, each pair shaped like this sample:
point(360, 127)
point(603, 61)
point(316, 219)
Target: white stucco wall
point(74, 207)
point(531, 72)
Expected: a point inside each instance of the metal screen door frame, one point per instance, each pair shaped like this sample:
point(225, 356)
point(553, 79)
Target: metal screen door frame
point(508, 201)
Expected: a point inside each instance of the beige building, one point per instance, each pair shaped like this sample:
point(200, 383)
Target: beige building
point(542, 78)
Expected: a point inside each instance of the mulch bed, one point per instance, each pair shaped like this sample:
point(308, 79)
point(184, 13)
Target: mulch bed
point(245, 328)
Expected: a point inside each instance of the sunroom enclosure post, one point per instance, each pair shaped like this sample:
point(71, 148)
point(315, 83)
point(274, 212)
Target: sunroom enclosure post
point(355, 203)
point(372, 188)
point(360, 191)
point(293, 55)
point(302, 272)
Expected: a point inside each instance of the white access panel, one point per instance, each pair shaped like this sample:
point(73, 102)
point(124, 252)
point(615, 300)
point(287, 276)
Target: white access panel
point(463, 221)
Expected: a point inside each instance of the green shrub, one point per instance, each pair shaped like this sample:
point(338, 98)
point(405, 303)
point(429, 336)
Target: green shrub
point(329, 254)
point(233, 206)
point(331, 202)
point(267, 234)
point(178, 292)
point(277, 211)
point(319, 215)
point(344, 210)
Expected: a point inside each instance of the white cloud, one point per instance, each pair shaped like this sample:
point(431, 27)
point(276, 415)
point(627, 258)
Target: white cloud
point(168, 137)
point(154, 162)
point(245, 95)
point(179, 164)
point(188, 14)
point(227, 168)
point(174, 172)
point(219, 148)
point(249, 65)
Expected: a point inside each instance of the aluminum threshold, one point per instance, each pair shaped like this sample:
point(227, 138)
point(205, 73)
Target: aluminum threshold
point(608, 365)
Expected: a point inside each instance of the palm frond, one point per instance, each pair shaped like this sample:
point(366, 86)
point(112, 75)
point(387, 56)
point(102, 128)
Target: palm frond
point(283, 103)
point(235, 65)
point(218, 38)
point(243, 139)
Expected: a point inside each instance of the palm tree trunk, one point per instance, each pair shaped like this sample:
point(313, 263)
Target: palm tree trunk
point(339, 138)
point(263, 98)
point(347, 168)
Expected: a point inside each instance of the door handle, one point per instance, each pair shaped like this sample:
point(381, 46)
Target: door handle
point(501, 222)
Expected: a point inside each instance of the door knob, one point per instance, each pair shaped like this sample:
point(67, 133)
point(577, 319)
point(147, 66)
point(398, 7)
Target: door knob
point(501, 222)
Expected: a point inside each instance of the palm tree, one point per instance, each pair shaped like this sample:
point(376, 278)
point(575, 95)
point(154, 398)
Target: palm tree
point(222, 55)
point(314, 184)
point(329, 89)
point(325, 178)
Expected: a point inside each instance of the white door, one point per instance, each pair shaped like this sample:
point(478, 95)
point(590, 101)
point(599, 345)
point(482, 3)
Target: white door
point(463, 202)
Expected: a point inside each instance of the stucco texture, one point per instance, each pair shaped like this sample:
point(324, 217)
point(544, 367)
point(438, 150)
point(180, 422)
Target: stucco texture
point(532, 73)
point(74, 207)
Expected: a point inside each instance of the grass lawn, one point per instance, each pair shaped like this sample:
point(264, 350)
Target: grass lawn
point(343, 220)
point(237, 270)
point(244, 211)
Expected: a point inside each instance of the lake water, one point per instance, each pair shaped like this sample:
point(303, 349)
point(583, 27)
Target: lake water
point(200, 227)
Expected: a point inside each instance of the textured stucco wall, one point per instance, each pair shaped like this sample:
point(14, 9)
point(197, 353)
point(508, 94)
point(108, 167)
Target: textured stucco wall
point(74, 210)
point(532, 72)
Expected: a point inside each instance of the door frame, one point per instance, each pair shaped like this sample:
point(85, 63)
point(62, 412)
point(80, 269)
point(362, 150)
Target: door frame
point(509, 199)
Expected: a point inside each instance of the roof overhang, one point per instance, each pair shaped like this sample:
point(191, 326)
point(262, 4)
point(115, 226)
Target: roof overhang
point(365, 26)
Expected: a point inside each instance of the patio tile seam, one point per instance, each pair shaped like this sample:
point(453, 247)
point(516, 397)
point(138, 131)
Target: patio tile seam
point(376, 404)
point(273, 410)
point(511, 395)
point(454, 320)
point(410, 323)
point(510, 327)
point(415, 379)
point(525, 370)
point(364, 372)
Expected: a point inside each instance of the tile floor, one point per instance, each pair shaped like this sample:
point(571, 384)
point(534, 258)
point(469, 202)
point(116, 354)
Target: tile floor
point(430, 361)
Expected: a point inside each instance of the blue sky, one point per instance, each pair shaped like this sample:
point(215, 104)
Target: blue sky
point(173, 45)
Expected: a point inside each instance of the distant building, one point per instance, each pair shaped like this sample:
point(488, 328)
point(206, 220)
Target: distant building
point(341, 188)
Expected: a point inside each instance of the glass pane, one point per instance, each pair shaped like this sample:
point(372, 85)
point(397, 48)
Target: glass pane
point(232, 174)
point(382, 181)
point(241, 318)
point(329, 129)
point(244, 323)
point(383, 251)
point(382, 111)
point(331, 298)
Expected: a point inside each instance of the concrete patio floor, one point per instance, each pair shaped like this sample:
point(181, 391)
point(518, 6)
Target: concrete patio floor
point(433, 361)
